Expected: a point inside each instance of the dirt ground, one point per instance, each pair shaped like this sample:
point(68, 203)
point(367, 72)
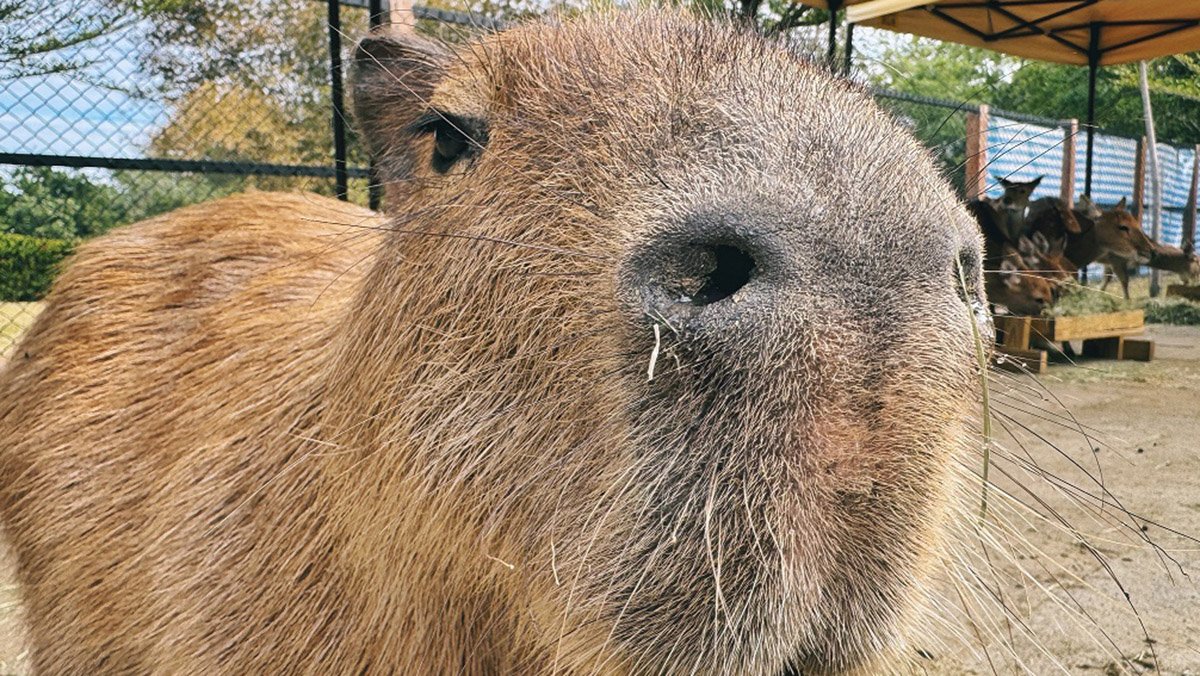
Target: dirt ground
point(1145, 448)
point(1147, 431)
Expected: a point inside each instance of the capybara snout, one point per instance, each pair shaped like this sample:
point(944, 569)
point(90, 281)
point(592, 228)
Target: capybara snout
point(639, 374)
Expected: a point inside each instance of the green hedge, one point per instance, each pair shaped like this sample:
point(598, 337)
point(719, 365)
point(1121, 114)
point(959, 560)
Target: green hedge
point(28, 265)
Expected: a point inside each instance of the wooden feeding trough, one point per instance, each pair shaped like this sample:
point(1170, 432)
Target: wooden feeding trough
point(1104, 336)
point(1183, 291)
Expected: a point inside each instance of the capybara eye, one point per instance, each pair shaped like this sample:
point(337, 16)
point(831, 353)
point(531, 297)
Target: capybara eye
point(454, 138)
point(449, 145)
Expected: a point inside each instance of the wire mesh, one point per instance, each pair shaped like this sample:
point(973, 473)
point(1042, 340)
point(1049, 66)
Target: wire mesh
point(124, 110)
point(113, 111)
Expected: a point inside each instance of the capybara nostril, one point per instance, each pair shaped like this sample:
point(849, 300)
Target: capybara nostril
point(731, 269)
point(680, 281)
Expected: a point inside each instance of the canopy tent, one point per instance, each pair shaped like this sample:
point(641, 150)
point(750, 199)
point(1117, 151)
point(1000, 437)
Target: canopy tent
point(1084, 32)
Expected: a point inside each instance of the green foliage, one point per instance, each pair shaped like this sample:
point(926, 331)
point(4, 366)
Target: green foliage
point(1058, 91)
point(1172, 311)
point(28, 265)
point(42, 202)
point(1089, 300)
point(40, 37)
point(972, 76)
point(145, 194)
point(942, 70)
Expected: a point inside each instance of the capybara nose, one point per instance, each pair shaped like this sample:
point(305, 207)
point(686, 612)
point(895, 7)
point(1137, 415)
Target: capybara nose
point(702, 269)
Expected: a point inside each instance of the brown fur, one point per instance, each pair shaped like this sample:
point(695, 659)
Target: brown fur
point(1112, 233)
point(1174, 259)
point(1020, 274)
point(1010, 208)
point(1016, 287)
point(1162, 257)
point(275, 434)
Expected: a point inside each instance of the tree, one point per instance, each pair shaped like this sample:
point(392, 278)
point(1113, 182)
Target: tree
point(42, 202)
point(41, 37)
point(924, 67)
point(1059, 91)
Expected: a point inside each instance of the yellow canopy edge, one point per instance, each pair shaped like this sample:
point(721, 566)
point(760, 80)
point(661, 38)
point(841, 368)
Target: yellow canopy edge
point(1050, 30)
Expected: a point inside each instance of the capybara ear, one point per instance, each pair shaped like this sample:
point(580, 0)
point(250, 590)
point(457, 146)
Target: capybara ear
point(393, 78)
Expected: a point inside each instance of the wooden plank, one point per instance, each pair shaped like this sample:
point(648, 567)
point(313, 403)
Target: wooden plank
point(1184, 291)
point(1137, 349)
point(1082, 327)
point(1067, 191)
point(1014, 331)
point(977, 155)
point(1021, 361)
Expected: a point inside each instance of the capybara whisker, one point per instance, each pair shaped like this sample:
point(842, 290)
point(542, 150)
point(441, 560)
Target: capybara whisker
point(634, 373)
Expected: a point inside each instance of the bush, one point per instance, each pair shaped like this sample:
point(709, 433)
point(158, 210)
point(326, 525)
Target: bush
point(44, 202)
point(28, 265)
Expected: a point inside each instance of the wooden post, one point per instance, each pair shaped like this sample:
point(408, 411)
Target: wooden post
point(1139, 180)
point(975, 185)
point(1067, 191)
point(1188, 238)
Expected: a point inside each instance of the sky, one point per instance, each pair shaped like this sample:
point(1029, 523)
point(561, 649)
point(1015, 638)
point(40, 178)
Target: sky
point(84, 113)
point(69, 114)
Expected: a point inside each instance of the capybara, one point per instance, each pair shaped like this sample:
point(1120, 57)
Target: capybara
point(639, 375)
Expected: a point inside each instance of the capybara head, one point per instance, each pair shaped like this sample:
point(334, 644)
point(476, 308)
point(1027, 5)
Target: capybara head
point(683, 366)
point(640, 375)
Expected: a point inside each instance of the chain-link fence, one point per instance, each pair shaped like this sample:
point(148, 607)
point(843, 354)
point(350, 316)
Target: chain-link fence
point(127, 109)
point(112, 111)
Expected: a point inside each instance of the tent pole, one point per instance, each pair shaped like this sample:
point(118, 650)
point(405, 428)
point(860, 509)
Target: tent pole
point(1155, 168)
point(834, 6)
point(849, 60)
point(1093, 67)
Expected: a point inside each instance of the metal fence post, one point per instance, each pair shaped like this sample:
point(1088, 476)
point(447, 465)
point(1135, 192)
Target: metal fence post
point(339, 107)
point(1139, 180)
point(375, 16)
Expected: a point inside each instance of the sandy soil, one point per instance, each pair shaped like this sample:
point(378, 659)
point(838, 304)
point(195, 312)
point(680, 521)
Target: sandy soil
point(1147, 433)
point(1145, 449)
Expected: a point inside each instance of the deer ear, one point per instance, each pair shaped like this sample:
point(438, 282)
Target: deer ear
point(1035, 182)
point(1025, 246)
point(1010, 274)
point(393, 78)
point(1003, 181)
point(1121, 205)
point(1041, 243)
